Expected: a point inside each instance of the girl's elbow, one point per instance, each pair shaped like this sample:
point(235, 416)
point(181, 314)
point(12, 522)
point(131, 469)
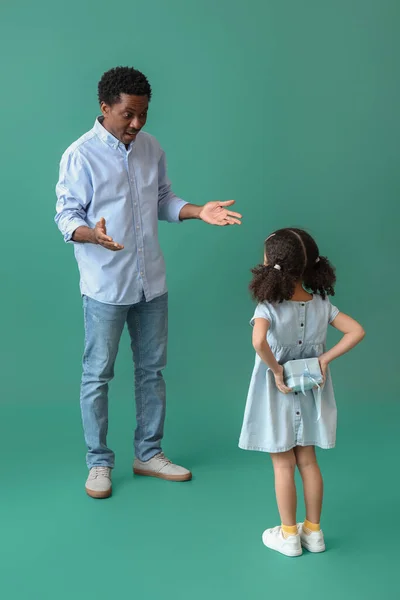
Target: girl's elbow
point(258, 345)
point(361, 333)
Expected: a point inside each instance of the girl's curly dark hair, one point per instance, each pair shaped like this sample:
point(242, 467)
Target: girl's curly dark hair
point(292, 255)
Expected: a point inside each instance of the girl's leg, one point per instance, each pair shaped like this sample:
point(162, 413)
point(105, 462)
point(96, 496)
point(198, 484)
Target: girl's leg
point(312, 483)
point(284, 464)
point(284, 539)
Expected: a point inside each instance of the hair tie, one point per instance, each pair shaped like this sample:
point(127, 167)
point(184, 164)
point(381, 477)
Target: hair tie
point(317, 259)
point(278, 267)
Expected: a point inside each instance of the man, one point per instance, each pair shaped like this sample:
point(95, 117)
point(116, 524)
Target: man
point(113, 188)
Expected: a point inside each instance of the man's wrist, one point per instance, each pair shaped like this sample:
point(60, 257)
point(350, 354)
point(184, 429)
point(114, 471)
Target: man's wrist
point(84, 235)
point(190, 211)
point(93, 239)
point(198, 212)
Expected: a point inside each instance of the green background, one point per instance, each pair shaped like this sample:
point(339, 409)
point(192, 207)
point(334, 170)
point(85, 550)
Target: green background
point(291, 108)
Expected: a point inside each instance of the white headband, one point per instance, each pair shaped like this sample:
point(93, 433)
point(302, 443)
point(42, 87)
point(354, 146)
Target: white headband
point(278, 267)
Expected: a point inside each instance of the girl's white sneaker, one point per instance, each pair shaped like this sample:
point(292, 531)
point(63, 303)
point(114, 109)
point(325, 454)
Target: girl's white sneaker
point(313, 542)
point(275, 540)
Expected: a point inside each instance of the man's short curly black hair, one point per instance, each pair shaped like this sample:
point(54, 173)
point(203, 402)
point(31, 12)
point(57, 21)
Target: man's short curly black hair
point(122, 80)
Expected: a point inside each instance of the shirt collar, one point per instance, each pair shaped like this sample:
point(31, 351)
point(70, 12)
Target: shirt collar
point(105, 135)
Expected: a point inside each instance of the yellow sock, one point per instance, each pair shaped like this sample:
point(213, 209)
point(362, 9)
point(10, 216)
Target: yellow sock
point(309, 527)
point(288, 530)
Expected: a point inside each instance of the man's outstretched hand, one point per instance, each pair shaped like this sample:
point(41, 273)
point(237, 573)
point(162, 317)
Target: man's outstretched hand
point(101, 237)
point(215, 213)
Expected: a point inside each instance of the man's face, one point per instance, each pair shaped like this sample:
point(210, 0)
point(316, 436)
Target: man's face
point(126, 118)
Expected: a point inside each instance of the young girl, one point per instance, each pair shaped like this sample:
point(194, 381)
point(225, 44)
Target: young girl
point(290, 323)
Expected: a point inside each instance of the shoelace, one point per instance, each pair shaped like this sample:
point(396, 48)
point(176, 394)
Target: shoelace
point(161, 457)
point(100, 472)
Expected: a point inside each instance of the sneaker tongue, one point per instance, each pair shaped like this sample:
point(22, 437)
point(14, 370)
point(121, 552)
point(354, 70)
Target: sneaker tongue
point(163, 458)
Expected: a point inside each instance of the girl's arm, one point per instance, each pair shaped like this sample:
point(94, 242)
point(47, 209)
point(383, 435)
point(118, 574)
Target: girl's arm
point(353, 334)
point(264, 351)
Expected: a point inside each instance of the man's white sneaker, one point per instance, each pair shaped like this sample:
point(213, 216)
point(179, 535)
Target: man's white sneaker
point(98, 484)
point(160, 466)
point(313, 542)
point(275, 540)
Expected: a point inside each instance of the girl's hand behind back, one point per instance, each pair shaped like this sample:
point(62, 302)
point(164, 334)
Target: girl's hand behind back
point(263, 350)
point(353, 334)
point(280, 382)
point(323, 364)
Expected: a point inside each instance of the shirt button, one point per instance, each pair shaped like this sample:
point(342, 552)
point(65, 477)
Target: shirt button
point(298, 414)
point(303, 304)
point(302, 325)
point(300, 342)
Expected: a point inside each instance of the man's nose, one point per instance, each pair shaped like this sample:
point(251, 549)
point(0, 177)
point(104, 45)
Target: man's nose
point(135, 123)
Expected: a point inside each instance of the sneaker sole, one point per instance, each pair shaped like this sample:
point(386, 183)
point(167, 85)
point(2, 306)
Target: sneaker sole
point(98, 495)
point(187, 477)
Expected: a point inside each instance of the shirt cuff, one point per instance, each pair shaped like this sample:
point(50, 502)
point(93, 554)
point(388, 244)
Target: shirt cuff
point(73, 226)
point(176, 208)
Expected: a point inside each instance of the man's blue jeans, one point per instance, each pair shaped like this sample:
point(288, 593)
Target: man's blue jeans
point(148, 328)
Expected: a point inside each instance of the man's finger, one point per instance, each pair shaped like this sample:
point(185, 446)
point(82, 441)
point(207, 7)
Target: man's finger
point(112, 246)
point(232, 221)
point(106, 238)
point(227, 203)
point(234, 214)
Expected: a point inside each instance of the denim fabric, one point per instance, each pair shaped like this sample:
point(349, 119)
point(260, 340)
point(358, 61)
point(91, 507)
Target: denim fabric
point(147, 323)
point(276, 422)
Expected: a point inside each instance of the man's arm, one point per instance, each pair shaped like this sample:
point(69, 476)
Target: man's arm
point(74, 193)
point(97, 235)
point(190, 211)
point(174, 209)
point(213, 213)
point(169, 205)
point(84, 235)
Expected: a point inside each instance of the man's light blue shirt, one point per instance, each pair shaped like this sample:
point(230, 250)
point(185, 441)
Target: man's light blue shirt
point(99, 177)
